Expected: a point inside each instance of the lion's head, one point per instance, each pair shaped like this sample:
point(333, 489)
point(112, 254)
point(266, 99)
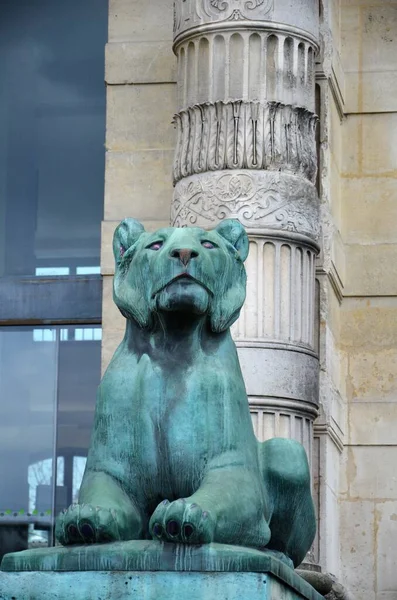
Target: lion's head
point(180, 269)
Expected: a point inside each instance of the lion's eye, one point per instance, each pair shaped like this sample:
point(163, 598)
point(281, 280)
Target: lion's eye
point(208, 244)
point(156, 245)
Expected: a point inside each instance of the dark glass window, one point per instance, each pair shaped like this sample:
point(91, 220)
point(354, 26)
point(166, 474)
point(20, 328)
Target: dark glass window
point(48, 381)
point(52, 131)
point(78, 378)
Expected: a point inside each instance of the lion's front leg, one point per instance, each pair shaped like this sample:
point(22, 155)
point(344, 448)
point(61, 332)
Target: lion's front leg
point(229, 507)
point(104, 513)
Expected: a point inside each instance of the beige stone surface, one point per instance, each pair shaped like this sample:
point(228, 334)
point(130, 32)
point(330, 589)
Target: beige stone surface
point(368, 542)
point(343, 474)
point(369, 148)
point(338, 255)
point(329, 309)
point(136, 21)
point(369, 210)
point(332, 379)
point(329, 534)
point(360, 335)
point(358, 560)
point(370, 473)
point(369, 340)
point(140, 62)
point(370, 269)
point(369, 37)
point(379, 137)
point(332, 418)
point(369, 145)
point(386, 544)
point(330, 466)
point(335, 135)
point(140, 71)
point(334, 22)
point(352, 146)
point(367, 25)
point(373, 423)
point(371, 91)
point(372, 375)
point(379, 29)
point(139, 117)
point(138, 184)
point(335, 193)
point(369, 323)
point(351, 32)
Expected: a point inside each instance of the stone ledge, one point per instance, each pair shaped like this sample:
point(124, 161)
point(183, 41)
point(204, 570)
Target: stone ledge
point(150, 570)
point(135, 585)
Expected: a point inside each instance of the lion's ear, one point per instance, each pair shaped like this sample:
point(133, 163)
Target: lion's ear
point(229, 294)
point(125, 236)
point(128, 295)
point(234, 233)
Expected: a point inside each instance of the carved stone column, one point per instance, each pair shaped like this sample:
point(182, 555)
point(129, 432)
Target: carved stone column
point(246, 150)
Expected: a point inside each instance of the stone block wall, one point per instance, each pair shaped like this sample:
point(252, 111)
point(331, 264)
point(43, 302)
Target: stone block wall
point(140, 75)
point(368, 318)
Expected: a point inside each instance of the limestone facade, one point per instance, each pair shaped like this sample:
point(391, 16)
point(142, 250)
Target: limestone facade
point(231, 114)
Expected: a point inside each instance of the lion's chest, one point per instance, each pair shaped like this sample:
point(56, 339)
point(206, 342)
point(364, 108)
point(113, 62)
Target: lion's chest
point(193, 417)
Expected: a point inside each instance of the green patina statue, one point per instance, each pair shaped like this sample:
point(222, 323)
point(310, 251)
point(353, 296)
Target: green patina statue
point(173, 454)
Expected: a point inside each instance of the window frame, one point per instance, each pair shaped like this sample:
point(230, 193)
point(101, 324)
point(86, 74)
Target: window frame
point(51, 301)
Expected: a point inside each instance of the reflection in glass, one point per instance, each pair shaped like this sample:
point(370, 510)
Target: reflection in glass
point(52, 123)
point(48, 381)
point(79, 463)
point(78, 379)
point(28, 379)
point(41, 492)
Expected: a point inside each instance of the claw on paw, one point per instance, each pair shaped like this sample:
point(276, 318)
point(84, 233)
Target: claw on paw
point(172, 528)
point(182, 522)
point(85, 524)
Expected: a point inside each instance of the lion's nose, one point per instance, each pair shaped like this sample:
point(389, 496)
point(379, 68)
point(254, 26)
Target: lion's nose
point(184, 254)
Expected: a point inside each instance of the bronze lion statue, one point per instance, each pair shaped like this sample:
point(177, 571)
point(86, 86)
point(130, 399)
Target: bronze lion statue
point(173, 454)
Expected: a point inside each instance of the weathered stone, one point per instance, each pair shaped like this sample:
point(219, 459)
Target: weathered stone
point(140, 21)
point(357, 525)
point(139, 62)
point(150, 586)
point(369, 210)
point(373, 423)
point(127, 110)
point(366, 461)
point(322, 582)
point(152, 555)
point(371, 77)
point(258, 199)
point(127, 179)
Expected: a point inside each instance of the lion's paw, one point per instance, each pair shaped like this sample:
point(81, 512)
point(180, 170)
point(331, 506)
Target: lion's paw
point(87, 524)
point(182, 521)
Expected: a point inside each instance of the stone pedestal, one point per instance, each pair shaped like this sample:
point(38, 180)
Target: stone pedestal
point(149, 570)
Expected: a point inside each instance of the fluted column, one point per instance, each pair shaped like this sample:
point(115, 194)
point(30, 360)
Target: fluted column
point(246, 150)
